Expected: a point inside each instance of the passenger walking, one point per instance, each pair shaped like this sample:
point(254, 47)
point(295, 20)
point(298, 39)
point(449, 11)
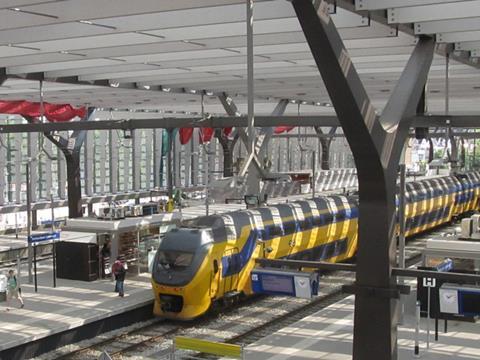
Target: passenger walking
point(119, 269)
point(13, 290)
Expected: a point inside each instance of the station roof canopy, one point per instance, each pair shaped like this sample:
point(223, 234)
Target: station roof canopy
point(153, 54)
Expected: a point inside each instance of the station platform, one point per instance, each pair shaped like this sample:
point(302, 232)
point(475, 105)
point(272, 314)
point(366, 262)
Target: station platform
point(328, 334)
point(51, 316)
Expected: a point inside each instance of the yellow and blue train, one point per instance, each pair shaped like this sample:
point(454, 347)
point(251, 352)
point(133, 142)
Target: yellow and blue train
point(208, 260)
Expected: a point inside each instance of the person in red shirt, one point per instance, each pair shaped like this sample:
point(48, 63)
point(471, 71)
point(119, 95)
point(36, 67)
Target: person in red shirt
point(119, 269)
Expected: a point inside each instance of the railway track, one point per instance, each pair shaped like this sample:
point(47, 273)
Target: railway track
point(244, 323)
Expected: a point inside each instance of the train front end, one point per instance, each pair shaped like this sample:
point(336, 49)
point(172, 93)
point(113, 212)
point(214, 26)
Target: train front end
point(181, 274)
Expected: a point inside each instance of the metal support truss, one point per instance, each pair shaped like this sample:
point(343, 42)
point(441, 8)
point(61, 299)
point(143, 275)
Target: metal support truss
point(376, 145)
point(232, 110)
point(325, 143)
point(266, 133)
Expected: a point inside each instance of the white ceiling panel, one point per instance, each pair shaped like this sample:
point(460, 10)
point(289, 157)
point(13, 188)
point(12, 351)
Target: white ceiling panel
point(140, 49)
point(93, 42)
point(458, 36)
point(74, 10)
point(57, 66)
point(99, 70)
point(228, 29)
point(385, 4)
point(37, 59)
point(451, 10)
point(200, 16)
point(451, 25)
point(131, 74)
point(178, 55)
point(50, 32)
point(467, 45)
point(201, 44)
point(5, 4)
point(6, 51)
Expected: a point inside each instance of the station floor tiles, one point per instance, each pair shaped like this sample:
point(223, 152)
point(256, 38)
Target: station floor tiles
point(328, 335)
point(69, 305)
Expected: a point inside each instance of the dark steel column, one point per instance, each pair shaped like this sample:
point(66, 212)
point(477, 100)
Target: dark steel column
point(71, 148)
point(376, 145)
point(325, 143)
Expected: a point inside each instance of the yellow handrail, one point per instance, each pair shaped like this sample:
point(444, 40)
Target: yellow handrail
point(209, 347)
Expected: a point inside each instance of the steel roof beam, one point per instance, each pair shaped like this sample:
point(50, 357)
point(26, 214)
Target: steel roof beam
point(385, 4)
point(460, 121)
point(446, 26)
point(450, 10)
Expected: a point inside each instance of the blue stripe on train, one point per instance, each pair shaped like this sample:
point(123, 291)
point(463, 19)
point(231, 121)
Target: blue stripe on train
point(233, 264)
point(426, 218)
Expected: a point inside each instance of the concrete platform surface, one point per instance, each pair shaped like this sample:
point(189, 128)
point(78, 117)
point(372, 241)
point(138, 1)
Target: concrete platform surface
point(328, 335)
point(69, 305)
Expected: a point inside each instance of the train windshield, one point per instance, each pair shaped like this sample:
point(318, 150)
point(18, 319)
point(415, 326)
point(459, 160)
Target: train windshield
point(174, 260)
point(180, 254)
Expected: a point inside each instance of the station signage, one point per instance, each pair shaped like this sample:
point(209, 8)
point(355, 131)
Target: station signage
point(35, 238)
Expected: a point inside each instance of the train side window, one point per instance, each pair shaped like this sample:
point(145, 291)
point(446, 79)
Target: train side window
point(215, 266)
point(276, 231)
point(306, 224)
point(340, 215)
point(328, 218)
point(289, 227)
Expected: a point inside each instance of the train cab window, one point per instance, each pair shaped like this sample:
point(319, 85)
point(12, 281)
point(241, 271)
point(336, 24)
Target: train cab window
point(174, 260)
point(215, 266)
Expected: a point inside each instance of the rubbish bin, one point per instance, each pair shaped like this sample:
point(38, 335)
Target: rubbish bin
point(3, 288)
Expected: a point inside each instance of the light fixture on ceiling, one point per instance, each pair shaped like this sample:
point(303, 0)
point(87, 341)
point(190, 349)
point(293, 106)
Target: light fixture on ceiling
point(114, 84)
point(89, 22)
point(165, 89)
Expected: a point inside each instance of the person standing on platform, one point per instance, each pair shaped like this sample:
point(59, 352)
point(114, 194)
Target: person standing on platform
point(13, 290)
point(119, 269)
point(105, 252)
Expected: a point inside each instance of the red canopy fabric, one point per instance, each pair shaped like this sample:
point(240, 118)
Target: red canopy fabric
point(205, 135)
point(53, 112)
point(185, 135)
point(281, 129)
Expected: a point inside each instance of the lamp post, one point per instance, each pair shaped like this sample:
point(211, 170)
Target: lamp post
point(29, 221)
point(54, 243)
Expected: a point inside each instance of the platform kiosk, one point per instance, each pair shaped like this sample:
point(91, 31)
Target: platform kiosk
point(131, 238)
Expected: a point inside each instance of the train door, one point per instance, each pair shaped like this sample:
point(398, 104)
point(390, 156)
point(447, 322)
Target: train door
point(215, 279)
point(230, 270)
